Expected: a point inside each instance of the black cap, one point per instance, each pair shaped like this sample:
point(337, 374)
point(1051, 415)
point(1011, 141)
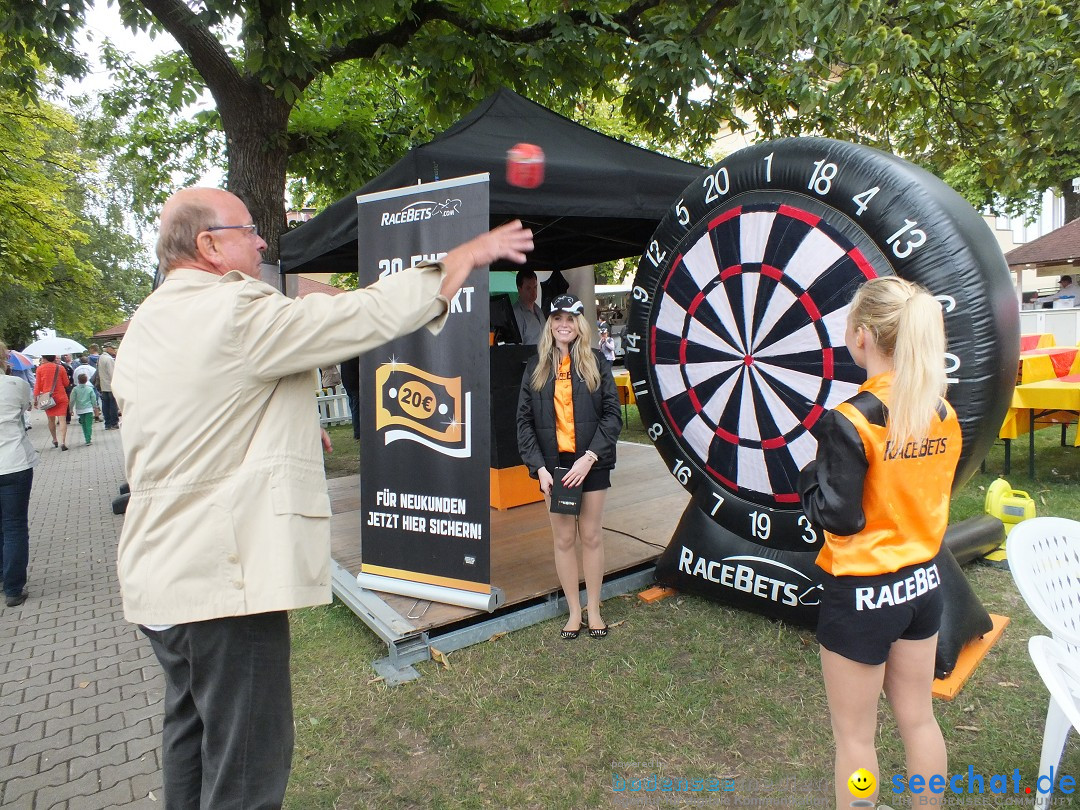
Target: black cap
point(602, 326)
point(566, 303)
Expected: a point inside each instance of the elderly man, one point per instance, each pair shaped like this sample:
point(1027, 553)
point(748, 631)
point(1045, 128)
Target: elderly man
point(228, 524)
point(104, 381)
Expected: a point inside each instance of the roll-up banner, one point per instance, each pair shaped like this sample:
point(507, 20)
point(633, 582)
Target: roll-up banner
point(424, 408)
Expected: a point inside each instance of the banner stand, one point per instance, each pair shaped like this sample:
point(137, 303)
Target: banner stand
point(487, 601)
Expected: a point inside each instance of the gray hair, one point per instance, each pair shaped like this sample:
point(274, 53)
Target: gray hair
point(179, 229)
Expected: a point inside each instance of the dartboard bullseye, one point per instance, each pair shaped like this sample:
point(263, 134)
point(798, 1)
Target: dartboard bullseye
point(746, 356)
point(735, 339)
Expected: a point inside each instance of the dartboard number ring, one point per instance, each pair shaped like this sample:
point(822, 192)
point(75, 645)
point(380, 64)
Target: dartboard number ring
point(735, 338)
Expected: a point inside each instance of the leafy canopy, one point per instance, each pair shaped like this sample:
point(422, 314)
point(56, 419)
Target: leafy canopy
point(326, 89)
point(66, 259)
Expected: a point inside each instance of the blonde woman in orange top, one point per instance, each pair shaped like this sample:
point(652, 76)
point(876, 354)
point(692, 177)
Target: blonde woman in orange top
point(568, 416)
point(880, 489)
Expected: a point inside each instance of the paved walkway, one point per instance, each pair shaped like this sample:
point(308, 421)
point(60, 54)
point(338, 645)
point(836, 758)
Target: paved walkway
point(80, 689)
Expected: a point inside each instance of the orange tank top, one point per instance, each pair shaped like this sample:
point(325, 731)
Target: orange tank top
point(905, 495)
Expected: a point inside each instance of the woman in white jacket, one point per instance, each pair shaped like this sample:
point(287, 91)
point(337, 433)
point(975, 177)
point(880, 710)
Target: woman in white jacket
point(17, 459)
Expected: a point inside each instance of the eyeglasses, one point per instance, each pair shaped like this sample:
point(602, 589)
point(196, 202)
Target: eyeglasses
point(252, 229)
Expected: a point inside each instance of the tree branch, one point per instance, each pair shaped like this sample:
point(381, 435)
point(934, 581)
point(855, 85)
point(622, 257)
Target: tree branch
point(206, 53)
point(426, 11)
point(709, 17)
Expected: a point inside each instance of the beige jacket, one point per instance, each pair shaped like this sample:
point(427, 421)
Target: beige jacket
point(105, 370)
point(229, 513)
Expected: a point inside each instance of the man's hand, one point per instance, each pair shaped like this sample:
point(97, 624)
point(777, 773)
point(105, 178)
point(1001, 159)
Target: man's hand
point(510, 241)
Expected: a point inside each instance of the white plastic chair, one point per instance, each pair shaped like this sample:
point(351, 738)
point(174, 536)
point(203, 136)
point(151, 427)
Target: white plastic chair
point(1059, 667)
point(1044, 558)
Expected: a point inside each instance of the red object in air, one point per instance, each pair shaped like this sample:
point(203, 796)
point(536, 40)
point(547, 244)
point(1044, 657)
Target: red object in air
point(525, 165)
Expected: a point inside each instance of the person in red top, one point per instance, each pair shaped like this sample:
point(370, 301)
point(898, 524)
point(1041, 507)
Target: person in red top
point(879, 488)
point(47, 373)
point(568, 416)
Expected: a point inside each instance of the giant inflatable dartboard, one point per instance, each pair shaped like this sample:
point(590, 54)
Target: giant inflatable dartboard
point(735, 338)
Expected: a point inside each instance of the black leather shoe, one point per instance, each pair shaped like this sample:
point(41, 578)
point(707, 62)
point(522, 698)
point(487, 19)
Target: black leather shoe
point(15, 601)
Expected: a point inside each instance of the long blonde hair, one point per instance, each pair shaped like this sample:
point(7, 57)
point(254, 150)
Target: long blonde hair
point(581, 355)
point(3, 359)
point(908, 326)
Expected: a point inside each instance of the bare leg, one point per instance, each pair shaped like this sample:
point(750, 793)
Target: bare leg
point(51, 422)
point(909, 675)
point(591, 531)
point(852, 690)
point(63, 425)
point(564, 531)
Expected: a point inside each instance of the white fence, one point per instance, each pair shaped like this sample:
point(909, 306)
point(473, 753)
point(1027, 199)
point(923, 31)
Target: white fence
point(333, 406)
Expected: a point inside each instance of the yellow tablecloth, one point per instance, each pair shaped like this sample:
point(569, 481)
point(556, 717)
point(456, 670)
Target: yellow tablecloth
point(1061, 393)
point(1056, 401)
point(1049, 402)
point(1047, 363)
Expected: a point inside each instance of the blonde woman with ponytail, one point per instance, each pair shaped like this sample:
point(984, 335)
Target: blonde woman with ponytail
point(879, 489)
point(568, 417)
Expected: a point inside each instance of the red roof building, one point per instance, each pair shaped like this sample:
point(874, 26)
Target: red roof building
point(1051, 254)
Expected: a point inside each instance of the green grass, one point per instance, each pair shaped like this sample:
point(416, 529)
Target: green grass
point(685, 686)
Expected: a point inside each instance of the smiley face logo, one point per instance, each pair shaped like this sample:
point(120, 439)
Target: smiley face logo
point(861, 783)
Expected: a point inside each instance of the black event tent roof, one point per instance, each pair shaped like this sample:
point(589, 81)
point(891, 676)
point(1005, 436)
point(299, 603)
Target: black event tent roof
point(601, 198)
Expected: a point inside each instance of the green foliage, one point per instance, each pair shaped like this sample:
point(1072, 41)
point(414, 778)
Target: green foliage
point(153, 129)
point(38, 36)
point(345, 281)
point(369, 114)
point(38, 232)
point(66, 261)
point(334, 93)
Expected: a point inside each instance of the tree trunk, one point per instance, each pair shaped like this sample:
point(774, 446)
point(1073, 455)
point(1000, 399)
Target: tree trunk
point(1072, 200)
point(256, 125)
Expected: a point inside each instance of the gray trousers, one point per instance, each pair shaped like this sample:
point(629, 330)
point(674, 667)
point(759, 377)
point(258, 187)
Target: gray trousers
point(227, 741)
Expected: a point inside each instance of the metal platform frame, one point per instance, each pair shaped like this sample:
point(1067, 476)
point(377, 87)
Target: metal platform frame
point(408, 645)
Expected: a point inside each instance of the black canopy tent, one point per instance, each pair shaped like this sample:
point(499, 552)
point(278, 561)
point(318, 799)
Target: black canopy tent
point(601, 198)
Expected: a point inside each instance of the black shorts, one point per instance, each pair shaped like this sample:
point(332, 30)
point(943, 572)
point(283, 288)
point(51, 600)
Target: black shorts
point(860, 617)
point(596, 479)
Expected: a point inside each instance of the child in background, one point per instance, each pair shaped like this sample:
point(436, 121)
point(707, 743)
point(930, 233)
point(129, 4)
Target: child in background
point(85, 402)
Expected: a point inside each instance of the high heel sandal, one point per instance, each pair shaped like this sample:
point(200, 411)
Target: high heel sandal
point(55, 443)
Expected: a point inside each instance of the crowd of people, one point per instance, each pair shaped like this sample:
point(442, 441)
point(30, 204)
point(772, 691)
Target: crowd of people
point(64, 387)
point(75, 388)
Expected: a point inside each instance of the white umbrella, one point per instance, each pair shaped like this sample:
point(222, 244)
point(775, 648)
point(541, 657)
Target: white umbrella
point(53, 345)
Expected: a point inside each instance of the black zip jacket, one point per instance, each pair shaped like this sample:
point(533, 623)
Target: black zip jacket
point(597, 420)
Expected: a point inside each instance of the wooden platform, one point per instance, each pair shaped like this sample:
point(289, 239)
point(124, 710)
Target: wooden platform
point(643, 507)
